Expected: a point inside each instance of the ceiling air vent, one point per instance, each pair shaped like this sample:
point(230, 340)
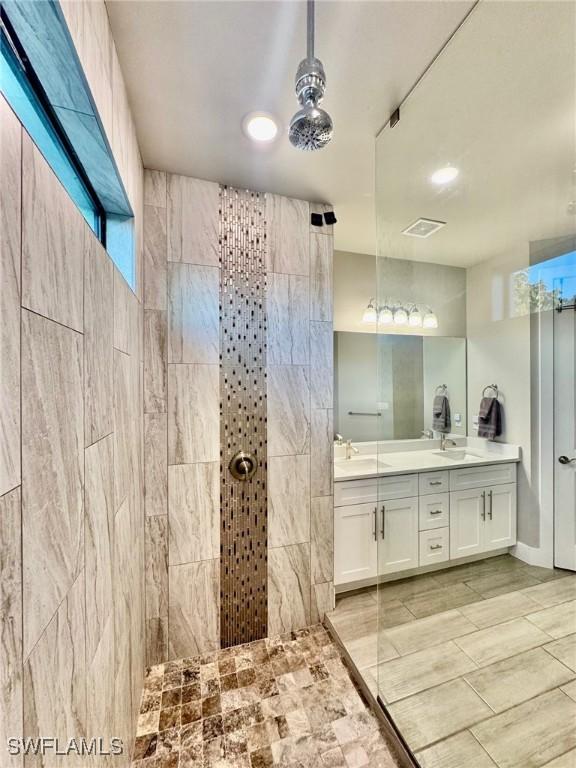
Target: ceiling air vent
point(423, 228)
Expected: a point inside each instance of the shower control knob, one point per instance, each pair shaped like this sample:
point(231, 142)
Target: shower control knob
point(566, 460)
point(243, 465)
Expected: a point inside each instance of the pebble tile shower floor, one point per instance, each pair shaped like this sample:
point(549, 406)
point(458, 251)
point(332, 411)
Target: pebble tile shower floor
point(288, 701)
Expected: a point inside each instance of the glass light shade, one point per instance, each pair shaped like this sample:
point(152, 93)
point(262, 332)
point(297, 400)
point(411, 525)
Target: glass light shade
point(400, 316)
point(370, 315)
point(385, 316)
point(430, 320)
point(415, 318)
point(444, 175)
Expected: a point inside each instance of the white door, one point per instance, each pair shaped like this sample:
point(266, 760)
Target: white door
point(398, 544)
point(500, 524)
point(354, 543)
point(467, 516)
point(565, 440)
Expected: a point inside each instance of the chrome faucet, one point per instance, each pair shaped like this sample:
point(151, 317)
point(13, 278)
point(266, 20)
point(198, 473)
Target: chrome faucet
point(350, 449)
point(339, 439)
point(444, 440)
point(427, 433)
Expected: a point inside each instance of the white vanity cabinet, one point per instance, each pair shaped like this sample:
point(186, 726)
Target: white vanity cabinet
point(416, 520)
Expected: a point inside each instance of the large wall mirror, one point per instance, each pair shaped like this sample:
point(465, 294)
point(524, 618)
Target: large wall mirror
point(398, 403)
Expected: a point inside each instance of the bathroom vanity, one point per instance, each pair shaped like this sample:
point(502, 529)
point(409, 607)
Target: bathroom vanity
point(419, 507)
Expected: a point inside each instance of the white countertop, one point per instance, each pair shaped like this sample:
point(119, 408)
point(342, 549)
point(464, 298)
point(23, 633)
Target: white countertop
point(404, 457)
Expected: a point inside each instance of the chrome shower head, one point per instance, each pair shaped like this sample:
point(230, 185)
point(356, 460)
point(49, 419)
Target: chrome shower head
point(311, 127)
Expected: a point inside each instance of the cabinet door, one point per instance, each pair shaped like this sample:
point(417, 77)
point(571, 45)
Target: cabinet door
point(500, 527)
point(354, 543)
point(398, 531)
point(467, 514)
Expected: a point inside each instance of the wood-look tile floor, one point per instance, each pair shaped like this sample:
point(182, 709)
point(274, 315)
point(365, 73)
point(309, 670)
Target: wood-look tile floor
point(476, 664)
point(287, 701)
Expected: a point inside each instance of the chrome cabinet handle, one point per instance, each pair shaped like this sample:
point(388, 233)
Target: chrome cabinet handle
point(490, 507)
point(374, 513)
point(435, 482)
point(483, 513)
point(436, 546)
point(383, 529)
point(435, 511)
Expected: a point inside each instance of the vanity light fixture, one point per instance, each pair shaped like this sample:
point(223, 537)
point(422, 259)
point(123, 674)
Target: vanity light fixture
point(385, 316)
point(400, 316)
point(444, 175)
point(260, 127)
point(430, 320)
point(370, 315)
point(415, 318)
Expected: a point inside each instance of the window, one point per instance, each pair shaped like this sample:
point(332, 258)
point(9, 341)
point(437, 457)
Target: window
point(70, 138)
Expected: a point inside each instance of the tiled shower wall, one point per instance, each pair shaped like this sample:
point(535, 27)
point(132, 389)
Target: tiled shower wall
point(182, 415)
point(71, 443)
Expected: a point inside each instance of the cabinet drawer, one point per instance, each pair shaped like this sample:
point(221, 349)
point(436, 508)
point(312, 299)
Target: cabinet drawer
point(355, 492)
point(434, 546)
point(480, 477)
point(434, 482)
point(397, 487)
point(434, 511)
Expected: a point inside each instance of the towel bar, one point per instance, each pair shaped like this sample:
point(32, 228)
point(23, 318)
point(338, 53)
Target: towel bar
point(363, 413)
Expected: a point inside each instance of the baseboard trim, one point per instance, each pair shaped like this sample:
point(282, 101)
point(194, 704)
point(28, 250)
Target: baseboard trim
point(532, 555)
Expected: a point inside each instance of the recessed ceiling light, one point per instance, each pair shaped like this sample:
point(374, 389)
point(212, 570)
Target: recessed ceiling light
point(444, 175)
point(260, 126)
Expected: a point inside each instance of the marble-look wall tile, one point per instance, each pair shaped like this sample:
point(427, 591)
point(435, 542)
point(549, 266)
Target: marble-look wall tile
point(288, 410)
point(155, 362)
point(10, 621)
point(100, 684)
point(156, 560)
point(99, 522)
point(193, 619)
point(156, 463)
point(52, 468)
point(323, 601)
point(288, 243)
point(126, 316)
point(321, 364)
point(53, 242)
point(10, 227)
point(155, 257)
point(55, 677)
point(193, 220)
point(288, 588)
point(155, 188)
point(322, 539)
point(288, 500)
point(321, 257)
point(193, 414)
point(98, 342)
point(122, 427)
point(194, 503)
point(156, 641)
point(193, 314)
point(322, 451)
point(288, 312)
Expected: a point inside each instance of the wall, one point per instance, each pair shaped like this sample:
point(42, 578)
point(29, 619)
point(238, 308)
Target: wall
point(499, 353)
point(182, 422)
point(71, 464)
point(358, 278)
point(445, 363)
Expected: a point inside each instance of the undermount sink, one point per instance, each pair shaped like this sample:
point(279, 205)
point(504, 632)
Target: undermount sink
point(360, 464)
point(456, 454)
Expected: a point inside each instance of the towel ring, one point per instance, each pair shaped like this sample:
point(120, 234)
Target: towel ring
point(442, 387)
point(493, 387)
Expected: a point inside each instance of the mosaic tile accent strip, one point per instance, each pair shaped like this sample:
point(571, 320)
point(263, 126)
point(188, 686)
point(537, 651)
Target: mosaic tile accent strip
point(287, 701)
point(244, 525)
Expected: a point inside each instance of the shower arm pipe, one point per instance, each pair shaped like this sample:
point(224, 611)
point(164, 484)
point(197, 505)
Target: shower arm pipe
point(310, 30)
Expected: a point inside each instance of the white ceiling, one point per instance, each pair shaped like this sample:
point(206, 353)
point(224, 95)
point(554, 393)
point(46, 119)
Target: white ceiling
point(499, 103)
point(194, 69)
